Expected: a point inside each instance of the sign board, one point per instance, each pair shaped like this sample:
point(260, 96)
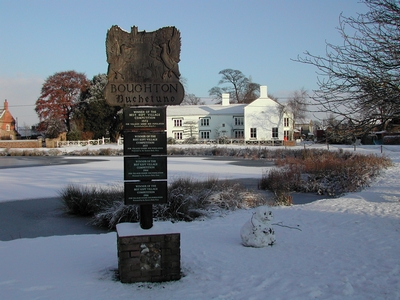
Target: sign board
point(143, 67)
point(145, 143)
point(141, 94)
point(145, 168)
point(150, 118)
point(151, 192)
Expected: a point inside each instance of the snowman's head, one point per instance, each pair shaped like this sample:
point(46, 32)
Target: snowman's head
point(263, 214)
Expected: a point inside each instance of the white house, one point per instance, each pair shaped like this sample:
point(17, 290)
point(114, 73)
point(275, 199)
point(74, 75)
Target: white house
point(264, 120)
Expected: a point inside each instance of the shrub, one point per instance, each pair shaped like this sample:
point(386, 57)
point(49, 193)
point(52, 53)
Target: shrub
point(74, 135)
point(32, 152)
point(87, 201)
point(171, 141)
point(87, 135)
point(175, 151)
point(106, 152)
point(190, 140)
point(53, 152)
point(187, 200)
point(118, 212)
point(391, 140)
point(14, 152)
point(322, 172)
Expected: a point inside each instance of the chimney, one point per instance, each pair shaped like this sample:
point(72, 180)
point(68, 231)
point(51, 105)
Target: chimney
point(5, 105)
point(225, 99)
point(263, 91)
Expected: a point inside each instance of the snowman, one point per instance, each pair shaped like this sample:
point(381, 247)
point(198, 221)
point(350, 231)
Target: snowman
point(257, 232)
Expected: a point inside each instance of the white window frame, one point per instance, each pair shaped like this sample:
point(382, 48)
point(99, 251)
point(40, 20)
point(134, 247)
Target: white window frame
point(177, 122)
point(275, 132)
point(239, 121)
point(204, 135)
point(204, 122)
point(178, 135)
point(286, 134)
point(239, 134)
point(286, 122)
point(253, 133)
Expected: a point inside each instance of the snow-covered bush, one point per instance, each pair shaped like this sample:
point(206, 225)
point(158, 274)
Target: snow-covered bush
point(188, 199)
point(191, 140)
point(171, 141)
point(23, 152)
point(323, 172)
point(117, 213)
point(87, 201)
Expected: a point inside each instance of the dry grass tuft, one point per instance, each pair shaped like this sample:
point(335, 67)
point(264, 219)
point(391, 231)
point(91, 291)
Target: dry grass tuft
point(188, 200)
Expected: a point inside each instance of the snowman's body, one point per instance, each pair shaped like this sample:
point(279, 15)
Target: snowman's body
point(257, 232)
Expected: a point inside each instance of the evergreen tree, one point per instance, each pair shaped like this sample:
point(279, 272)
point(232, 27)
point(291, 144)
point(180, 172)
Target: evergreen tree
point(95, 116)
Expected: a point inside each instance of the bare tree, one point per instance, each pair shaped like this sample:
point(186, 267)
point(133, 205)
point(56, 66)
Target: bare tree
point(276, 99)
point(191, 99)
point(359, 81)
point(240, 88)
point(191, 128)
point(297, 106)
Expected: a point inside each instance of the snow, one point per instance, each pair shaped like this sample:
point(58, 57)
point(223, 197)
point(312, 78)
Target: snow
point(130, 229)
point(343, 248)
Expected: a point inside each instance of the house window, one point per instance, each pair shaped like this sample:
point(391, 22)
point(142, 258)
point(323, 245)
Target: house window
point(238, 121)
point(286, 135)
point(204, 121)
point(205, 135)
point(286, 122)
point(275, 132)
point(253, 133)
point(239, 134)
point(177, 122)
point(8, 127)
point(178, 135)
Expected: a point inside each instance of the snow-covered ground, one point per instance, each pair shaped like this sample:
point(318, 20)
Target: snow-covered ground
point(344, 248)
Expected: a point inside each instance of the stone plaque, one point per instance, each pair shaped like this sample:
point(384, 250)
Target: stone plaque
point(145, 118)
point(145, 143)
point(143, 67)
point(144, 168)
point(151, 192)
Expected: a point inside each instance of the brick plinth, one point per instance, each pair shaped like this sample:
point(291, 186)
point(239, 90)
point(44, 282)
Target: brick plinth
point(148, 257)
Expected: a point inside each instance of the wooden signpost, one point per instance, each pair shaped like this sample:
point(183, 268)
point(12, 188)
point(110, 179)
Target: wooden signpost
point(143, 78)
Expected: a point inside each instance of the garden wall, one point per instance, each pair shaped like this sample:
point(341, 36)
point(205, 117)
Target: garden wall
point(21, 144)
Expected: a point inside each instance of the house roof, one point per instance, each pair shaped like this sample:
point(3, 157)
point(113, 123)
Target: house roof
point(4, 109)
point(193, 110)
point(220, 109)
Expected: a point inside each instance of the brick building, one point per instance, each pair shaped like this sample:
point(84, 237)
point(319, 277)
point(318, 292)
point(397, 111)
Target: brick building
point(7, 124)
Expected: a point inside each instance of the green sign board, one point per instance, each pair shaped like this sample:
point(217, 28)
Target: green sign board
point(145, 143)
point(150, 192)
point(145, 168)
point(145, 118)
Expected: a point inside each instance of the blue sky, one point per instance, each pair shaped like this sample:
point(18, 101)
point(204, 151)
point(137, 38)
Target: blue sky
point(257, 37)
